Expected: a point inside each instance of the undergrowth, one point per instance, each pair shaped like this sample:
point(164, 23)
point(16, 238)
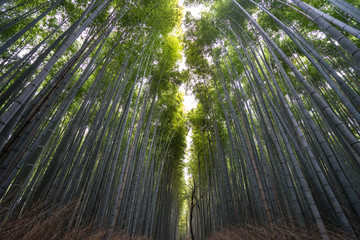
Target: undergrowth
point(249, 232)
point(39, 224)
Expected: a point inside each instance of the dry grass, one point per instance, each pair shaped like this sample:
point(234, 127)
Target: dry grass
point(39, 224)
point(249, 232)
point(45, 225)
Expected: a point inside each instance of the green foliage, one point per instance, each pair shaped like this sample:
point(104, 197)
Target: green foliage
point(123, 131)
point(162, 16)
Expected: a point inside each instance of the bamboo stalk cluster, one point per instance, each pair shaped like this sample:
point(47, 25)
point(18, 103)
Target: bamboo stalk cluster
point(275, 144)
point(87, 117)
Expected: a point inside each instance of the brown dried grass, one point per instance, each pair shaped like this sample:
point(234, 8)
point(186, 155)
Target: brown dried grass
point(249, 232)
point(38, 224)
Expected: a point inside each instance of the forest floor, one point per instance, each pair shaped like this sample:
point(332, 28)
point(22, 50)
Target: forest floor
point(279, 233)
point(39, 224)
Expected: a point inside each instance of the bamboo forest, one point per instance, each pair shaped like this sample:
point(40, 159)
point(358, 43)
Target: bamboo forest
point(98, 139)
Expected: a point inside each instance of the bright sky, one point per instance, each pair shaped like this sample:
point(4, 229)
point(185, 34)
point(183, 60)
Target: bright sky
point(187, 156)
point(196, 13)
point(189, 99)
point(194, 10)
